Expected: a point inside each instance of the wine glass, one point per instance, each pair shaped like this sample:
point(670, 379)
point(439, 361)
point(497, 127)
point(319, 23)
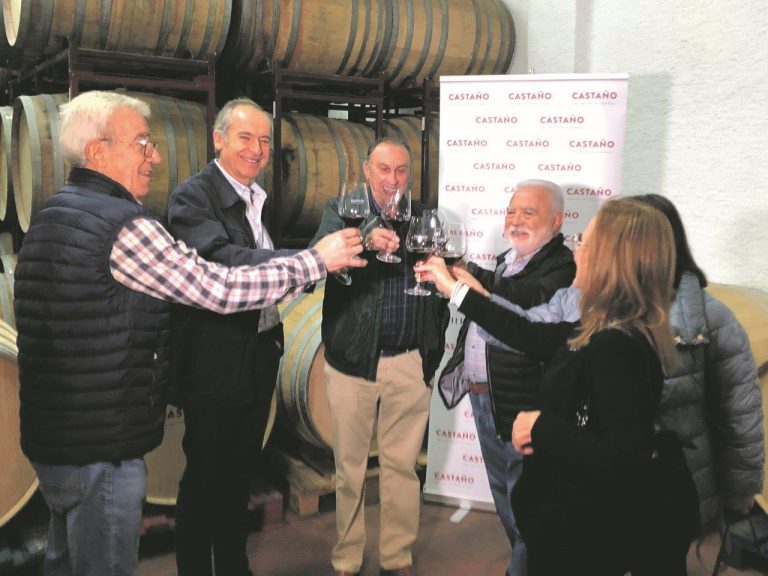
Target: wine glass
point(425, 234)
point(353, 209)
point(453, 244)
point(396, 208)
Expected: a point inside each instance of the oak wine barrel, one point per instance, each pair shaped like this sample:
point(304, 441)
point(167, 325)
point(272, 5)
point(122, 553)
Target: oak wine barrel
point(178, 28)
point(407, 40)
point(18, 480)
point(343, 37)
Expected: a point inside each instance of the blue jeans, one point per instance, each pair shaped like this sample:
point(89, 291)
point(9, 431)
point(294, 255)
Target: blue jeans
point(503, 465)
point(95, 517)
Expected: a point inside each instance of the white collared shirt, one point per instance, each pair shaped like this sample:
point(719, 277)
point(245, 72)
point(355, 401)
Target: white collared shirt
point(254, 197)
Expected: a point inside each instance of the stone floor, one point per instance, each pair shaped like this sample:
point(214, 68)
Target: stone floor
point(475, 545)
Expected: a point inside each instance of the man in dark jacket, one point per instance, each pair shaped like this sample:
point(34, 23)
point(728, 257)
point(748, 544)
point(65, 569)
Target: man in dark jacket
point(382, 348)
point(225, 367)
point(501, 381)
point(94, 280)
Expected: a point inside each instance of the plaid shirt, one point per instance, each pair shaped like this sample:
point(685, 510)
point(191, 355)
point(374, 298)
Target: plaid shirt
point(145, 258)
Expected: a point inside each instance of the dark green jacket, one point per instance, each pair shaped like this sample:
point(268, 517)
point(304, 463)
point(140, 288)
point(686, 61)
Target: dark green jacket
point(352, 314)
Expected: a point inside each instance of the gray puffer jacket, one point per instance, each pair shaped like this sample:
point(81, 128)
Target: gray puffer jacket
point(712, 400)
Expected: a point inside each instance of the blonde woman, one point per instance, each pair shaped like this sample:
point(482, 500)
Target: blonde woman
point(582, 500)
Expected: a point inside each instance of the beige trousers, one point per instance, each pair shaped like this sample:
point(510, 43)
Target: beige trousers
point(402, 401)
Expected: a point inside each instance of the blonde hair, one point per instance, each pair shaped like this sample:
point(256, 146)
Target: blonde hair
point(629, 285)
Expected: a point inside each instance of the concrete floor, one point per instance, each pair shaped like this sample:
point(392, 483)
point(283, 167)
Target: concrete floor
point(475, 546)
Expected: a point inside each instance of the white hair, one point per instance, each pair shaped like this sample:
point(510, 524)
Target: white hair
point(556, 198)
point(85, 118)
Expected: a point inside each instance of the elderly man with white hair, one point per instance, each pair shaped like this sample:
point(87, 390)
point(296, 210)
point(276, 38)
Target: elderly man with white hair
point(95, 280)
point(501, 381)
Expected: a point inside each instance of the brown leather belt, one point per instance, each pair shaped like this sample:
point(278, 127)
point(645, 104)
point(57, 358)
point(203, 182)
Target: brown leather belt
point(478, 387)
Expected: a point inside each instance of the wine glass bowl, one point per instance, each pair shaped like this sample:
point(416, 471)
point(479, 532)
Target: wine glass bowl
point(396, 208)
point(425, 236)
point(353, 209)
point(453, 243)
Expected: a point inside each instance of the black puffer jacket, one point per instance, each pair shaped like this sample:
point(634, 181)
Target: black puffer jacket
point(93, 354)
point(513, 377)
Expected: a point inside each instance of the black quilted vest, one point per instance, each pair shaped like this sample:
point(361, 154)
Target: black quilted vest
point(93, 354)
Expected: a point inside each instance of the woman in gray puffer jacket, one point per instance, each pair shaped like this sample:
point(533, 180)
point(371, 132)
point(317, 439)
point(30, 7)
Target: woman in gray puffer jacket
point(712, 398)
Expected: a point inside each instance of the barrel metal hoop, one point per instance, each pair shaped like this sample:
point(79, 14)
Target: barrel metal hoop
point(25, 25)
point(389, 42)
point(301, 193)
point(359, 136)
point(309, 343)
point(165, 27)
point(185, 109)
point(443, 40)
point(210, 25)
point(339, 145)
point(52, 111)
point(173, 167)
point(36, 152)
point(272, 40)
point(428, 40)
point(506, 59)
point(409, 26)
point(383, 33)
point(226, 21)
point(488, 44)
point(79, 24)
point(46, 22)
point(294, 34)
point(186, 26)
point(366, 31)
point(352, 36)
point(478, 37)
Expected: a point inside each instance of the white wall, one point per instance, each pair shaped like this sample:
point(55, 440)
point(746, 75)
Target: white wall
point(697, 124)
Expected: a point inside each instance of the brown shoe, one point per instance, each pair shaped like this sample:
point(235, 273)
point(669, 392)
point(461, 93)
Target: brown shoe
point(404, 571)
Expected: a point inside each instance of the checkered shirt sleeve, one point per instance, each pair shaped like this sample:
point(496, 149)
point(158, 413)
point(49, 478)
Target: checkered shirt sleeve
point(145, 258)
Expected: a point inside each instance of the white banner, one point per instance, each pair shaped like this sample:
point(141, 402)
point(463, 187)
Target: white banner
point(494, 132)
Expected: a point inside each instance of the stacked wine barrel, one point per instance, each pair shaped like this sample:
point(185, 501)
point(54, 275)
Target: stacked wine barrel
point(406, 40)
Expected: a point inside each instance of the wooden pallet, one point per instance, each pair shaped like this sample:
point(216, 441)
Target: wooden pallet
point(311, 479)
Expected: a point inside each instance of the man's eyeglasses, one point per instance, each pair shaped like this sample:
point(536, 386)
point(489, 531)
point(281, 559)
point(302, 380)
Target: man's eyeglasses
point(148, 146)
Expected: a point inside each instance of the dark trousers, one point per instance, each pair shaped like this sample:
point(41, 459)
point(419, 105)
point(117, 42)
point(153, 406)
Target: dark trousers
point(223, 448)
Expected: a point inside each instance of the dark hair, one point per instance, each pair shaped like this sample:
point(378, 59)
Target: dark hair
point(684, 258)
